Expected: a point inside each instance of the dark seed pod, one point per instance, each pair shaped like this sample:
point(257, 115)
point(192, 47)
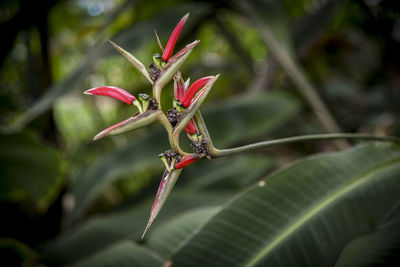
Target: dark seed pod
point(154, 72)
point(173, 116)
point(153, 105)
point(201, 148)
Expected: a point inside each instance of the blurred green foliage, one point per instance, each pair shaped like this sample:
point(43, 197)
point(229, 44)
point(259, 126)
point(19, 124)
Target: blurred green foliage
point(64, 197)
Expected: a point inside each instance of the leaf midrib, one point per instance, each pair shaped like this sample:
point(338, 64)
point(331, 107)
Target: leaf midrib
point(341, 191)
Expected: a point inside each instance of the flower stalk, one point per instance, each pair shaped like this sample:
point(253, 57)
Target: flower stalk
point(217, 153)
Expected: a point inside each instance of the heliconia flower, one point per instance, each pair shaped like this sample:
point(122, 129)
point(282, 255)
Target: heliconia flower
point(112, 91)
point(169, 48)
point(186, 161)
point(193, 89)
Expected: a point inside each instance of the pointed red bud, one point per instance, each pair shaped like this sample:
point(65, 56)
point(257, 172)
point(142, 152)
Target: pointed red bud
point(179, 90)
point(191, 128)
point(113, 92)
point(169, 48)
point(186, 161)
point(186, 84)
point(193, 89)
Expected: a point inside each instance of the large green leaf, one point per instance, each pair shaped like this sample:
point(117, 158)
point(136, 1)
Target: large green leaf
point(171, 235)
point(235, 120)
point(223, 175)
point(379, 247)
point(29, 169)
point(125, 253)
point(232, 172)
point(101, 231)
point(302, 215)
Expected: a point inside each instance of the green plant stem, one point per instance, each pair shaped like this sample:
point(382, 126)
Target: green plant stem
point(203, 130)
point(172, 137)
point(216, 153)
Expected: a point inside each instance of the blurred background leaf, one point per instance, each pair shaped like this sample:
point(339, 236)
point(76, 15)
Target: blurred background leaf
point(31, 171)
point(304, 214)
point(122, 254)
point(68, 200)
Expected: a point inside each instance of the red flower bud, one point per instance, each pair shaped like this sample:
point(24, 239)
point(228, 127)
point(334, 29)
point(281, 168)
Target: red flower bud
point(193, 89)
point(179, 90)
point(191, 127)
point(186, 161)
point(169, 48)
point(113, 92)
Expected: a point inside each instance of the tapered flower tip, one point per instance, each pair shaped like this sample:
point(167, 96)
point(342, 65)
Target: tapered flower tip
point(186, 161)
point(132, 123)
point(112, 91)
point(167, 183)
point(187, 48)
point(131, 58)
point(193, 89)
point(169, 48)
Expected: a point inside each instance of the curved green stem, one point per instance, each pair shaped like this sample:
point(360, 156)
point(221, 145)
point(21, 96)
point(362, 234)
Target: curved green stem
point(172, 136)
point(165, 122)
point(216, 153)
point(204, 131)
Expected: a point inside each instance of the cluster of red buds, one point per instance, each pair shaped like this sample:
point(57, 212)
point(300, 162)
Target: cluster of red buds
point(185, 113)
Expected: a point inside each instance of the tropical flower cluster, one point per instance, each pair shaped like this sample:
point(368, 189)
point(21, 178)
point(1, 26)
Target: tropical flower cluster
point(185, 114)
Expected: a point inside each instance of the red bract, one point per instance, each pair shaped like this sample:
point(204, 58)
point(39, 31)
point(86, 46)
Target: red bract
point(179, 90)
point(186, 161)
point(193, 89)
point(191, 128)
point(113, 92)
point(169, 48)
